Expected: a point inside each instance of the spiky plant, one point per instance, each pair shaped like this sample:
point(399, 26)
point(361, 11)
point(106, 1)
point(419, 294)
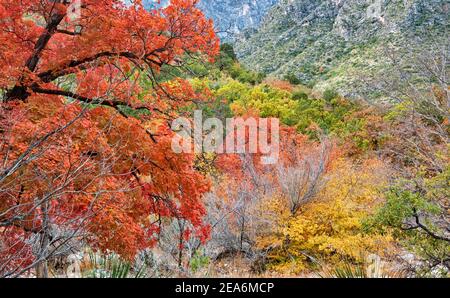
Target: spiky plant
point(347, 270)
point(112, 266)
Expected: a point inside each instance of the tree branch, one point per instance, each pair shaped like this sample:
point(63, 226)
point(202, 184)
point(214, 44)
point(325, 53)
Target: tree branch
point(427, 230)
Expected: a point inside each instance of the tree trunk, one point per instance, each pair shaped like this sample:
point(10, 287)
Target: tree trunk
point(42, 266)
point(42, 269)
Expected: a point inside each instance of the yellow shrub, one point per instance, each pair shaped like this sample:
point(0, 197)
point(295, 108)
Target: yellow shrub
point(329, 228)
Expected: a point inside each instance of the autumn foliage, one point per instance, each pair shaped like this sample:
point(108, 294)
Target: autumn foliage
point(87, 166)
point(85, 144)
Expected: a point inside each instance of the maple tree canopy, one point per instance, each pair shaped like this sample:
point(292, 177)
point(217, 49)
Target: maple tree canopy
point(85, 145)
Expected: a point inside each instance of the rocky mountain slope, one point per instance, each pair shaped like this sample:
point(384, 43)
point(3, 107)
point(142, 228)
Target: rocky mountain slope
point(230, 16)
point(332, 43)
point(234, 16)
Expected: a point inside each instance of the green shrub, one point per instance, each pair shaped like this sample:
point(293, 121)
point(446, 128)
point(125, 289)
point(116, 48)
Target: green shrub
point(292, 78)
point(299, 95)
point(330, 94)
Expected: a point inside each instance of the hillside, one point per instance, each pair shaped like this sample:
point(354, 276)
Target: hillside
point(235, 16)
point(333, 44)
point(231, 17)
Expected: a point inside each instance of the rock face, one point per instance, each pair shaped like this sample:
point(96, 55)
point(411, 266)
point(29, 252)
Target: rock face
point(230, 16)
point(234, 16)
point(325, 42)
point(149, 4)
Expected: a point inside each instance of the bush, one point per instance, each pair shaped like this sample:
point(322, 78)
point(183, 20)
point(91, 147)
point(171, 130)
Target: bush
point(330, 94)
point(299, 95)
point(292, 78)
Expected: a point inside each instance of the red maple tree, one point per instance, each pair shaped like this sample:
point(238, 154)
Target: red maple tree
point(85, 146)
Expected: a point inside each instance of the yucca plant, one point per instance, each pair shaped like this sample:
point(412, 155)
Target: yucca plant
point(112, 266)
point(347, 270)
point(350, 269)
